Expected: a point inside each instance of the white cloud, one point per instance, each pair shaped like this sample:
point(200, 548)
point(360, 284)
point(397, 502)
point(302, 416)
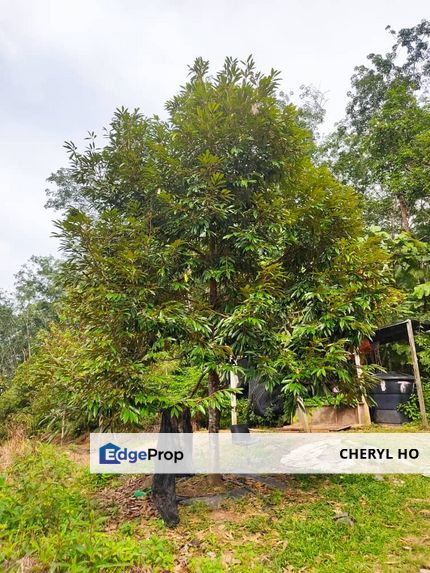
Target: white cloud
point(65, 65)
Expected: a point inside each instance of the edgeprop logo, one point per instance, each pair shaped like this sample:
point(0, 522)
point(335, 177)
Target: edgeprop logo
point(112, 454)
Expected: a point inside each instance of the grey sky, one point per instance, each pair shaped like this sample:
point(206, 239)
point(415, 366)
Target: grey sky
point(66, 65)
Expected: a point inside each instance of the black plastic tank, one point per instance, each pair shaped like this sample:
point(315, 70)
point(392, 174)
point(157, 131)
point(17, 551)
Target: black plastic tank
point(393, 389)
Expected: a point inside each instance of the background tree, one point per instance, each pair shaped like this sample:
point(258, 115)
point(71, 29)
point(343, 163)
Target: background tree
point(10, 353)
point(382, 145)
point(25, 313)
point(27, 310)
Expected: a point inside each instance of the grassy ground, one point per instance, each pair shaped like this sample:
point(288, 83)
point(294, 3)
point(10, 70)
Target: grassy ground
point(55, 516)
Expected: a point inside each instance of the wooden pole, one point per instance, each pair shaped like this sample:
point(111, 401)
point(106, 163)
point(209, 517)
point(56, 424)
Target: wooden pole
point(303, 415)
point(234, 383)
point(417, 374)
point(362, 408)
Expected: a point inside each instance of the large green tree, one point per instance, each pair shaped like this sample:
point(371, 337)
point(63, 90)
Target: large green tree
point(212, 236)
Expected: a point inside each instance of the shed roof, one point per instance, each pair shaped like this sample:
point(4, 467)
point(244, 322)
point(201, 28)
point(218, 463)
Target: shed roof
point(398, 332)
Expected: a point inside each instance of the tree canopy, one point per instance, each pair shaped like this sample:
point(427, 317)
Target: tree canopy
point(205, 238)
point(382, 145)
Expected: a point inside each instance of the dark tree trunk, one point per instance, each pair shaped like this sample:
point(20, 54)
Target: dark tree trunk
point(164, 497)
point(213, 425)
point(164, 485)
point(213, 414)
point(404, 213)
point(186, 425)
point(213, 379)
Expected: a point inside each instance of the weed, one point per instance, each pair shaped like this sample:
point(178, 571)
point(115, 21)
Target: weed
point(158, 553)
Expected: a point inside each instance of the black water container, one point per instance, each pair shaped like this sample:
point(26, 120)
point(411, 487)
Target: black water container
point(393, 389)
point(240, 434)
point(239, 429)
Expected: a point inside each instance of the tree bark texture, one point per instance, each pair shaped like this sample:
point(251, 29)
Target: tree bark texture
point(164, 485)
point(213, 414)
point(213, 378)
point(404, 213)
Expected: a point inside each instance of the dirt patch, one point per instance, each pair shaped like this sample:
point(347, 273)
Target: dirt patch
point(130, 498)
point(127, 500)
point(78, 453)
point(15, 446)
point(25, 565)
point(221, 516)
point(416, 541)
point(200, 485)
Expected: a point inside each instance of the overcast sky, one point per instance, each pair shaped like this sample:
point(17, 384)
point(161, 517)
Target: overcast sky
point(66, 65)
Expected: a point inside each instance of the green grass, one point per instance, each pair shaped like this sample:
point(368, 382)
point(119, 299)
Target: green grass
point(411, 427)
point(50, 521)
point(391, 530)
point(48, 518)
point(386, 516)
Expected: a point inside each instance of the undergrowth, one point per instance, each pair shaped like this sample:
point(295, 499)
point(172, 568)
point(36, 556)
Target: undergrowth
point(51, 521)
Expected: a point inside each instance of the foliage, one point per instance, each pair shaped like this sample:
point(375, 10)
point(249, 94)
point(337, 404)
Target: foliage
point(246, 415)
point(37, 282)
point(410, 260)
point(201, 240)
point(411, 407)
point(56, 388)
point(9, 354)
point(50, 516)
point(30, 308)
point(333, 304)
point(382, 145)
point(182, 216)
point(310, 102)
point(158, 553)
point(382, 148)
point(336, 400)
point(410, 265)
point(49, 386)
point(195, 242)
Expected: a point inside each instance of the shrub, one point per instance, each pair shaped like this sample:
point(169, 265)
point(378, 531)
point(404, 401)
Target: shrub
point(47, 513)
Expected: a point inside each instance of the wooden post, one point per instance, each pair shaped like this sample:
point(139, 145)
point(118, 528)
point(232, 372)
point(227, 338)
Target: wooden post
point(234, 383)
point(303, 415)
point(417, 374)
point(362, 408)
